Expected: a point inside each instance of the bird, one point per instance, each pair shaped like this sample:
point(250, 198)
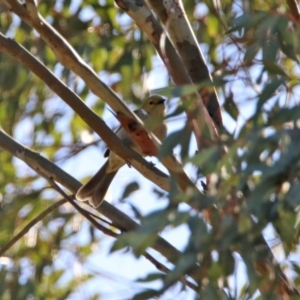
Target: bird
point(152, 112)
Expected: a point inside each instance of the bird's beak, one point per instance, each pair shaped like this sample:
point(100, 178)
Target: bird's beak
point(161, 101)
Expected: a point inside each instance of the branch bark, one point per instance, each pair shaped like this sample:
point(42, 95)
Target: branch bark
point(173, 16)
point(114, 143)
point(144, 18)
point(113, 234)
point(70, 59)
point(294, 8)
point(49, 170)
point(198, 116)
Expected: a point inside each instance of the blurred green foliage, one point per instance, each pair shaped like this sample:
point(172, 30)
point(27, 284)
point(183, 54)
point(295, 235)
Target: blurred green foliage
point(252, 48)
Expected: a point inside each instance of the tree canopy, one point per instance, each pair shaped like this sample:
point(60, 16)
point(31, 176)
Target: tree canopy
point(226, 179)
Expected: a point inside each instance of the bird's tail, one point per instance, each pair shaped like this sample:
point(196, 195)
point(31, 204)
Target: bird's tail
point(95, 189)
point(101, 189)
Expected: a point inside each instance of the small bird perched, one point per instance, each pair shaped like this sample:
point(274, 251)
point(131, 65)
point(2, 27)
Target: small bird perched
point(152, 113)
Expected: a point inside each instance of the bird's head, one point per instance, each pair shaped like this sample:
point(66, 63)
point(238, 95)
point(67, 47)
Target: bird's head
point(153, 103)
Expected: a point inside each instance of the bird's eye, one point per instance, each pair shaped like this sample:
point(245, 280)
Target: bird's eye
point(151, 102)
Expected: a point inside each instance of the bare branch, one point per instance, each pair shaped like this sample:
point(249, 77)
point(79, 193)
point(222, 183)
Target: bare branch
point(199, 119)
point(144, 18)
point(49, 170)
point(69, 58)
point(113, 142)
point(111, 233)
point(82, 211)
point(173, 16)
point(164, 269)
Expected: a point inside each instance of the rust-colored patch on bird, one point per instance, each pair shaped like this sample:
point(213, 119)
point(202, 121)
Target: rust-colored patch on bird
point(138, 134)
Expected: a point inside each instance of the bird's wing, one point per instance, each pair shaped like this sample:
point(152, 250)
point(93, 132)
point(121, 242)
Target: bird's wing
point(142, 114)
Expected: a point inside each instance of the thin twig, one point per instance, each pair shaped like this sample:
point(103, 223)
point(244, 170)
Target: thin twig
point(81, 210)
point(68, 57)
point(164, 269)
point(31, 224)
point(49, 170)
point(110, 223)
point(17, 51)
point(111, 233)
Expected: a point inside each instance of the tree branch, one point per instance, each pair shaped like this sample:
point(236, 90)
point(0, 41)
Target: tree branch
point(199, 119)
point(48, 170)
point(111, 233)
point(294, 8)
point(174, 18)
point(113, 142)
point(144, 18)
point(69, 58)
point(40, 217)
point(164, 269)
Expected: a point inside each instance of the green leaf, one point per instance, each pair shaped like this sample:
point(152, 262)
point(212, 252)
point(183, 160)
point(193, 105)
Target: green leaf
point(274, 69)
point(130, 188)
point(283, 115)
point(169, 143)
point(251, 53)
point(146, 295)
point(151, 277)
point(231, 107)
point(269, 91)
point(177, 91)
point(212, 25)
point(206, 160)
point(227, 262)
point(185, 263)
point(269, 51)
point(138, 240)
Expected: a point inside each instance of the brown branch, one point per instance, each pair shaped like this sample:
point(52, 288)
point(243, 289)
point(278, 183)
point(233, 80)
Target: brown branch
point(144, 18)
point(40, 217)
point(48, 170)
point(81, 210)
point(110, 223)
point(111, 233)
point(93, 120)
point(294, 9)
point(174, 18)
point(164, 269)
point(62, 49)
point(198, 117)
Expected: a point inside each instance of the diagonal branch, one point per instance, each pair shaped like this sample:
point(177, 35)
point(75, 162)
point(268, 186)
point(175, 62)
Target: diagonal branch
point(111, 233)
point(294, 8)
point(70, 59)
point(144, 18)
point(114, 143)
point(198, 117)
point(49, 170)
point(173, 16)
point(82, 211)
